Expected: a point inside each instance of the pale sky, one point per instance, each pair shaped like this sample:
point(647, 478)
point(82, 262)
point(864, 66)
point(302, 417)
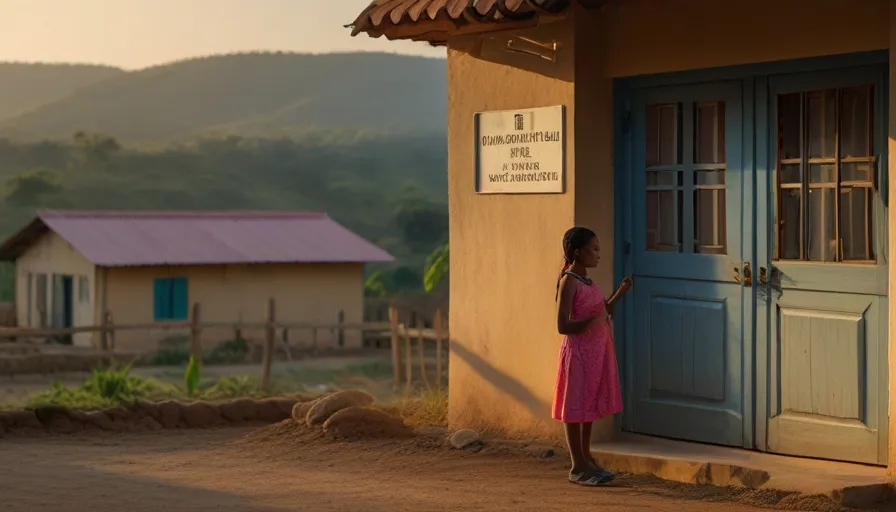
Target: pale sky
point(138, 33)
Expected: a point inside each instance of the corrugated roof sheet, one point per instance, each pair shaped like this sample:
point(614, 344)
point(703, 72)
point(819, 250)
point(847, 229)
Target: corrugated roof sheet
point(119, 239)
point(434, 20)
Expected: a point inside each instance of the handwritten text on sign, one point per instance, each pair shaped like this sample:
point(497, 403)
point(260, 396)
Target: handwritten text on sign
point(520, 151)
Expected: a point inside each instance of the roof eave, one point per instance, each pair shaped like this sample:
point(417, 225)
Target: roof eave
point(436, 30)
point(16, 245)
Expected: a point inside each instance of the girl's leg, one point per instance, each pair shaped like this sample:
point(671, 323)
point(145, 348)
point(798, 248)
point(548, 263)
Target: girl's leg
point(586, 446)
point(574, 439)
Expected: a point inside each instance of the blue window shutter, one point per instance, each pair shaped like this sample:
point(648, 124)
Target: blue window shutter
point(179, 298)
point(161, 299)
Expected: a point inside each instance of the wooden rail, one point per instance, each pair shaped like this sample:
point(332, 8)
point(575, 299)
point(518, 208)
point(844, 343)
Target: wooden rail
point(397, 332)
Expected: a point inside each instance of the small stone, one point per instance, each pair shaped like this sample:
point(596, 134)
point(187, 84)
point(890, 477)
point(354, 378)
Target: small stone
point(99, 420)
point(463, 439)
point(243, 409)
point(23, 419)
point(300, 411)
point(200, 415)
point(330, 405)
point(547, 454)
point(169, 414)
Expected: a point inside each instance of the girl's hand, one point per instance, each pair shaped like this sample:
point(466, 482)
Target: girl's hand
point(625, 285)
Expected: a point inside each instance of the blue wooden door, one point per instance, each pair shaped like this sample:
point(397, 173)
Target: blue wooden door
point(690, 229)
point(822, 291)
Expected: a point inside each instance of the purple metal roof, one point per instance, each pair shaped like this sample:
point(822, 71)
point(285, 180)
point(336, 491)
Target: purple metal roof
point(119, 239)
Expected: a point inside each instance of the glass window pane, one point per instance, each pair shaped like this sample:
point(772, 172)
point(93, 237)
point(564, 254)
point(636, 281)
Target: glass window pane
point(709, 133)
point(789, 125)
point(823, 173)
point(856, 171)
point(822, 123)
point(709, 221)
point(663, 178)
point(820, 229)
point(662, 135)
point(855, 223)
point(855, 122)
point(790, 173)
point(716, 177)
point(790, 224)
point(664, 220)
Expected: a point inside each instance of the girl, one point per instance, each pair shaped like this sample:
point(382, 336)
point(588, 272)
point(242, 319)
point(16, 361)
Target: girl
point(587, 378)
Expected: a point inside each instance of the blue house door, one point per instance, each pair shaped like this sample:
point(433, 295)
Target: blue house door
point(823, 266)
point(691, 242)
point(757, 227)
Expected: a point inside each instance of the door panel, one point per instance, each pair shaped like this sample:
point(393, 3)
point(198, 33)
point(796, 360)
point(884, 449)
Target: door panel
point(827, 280)
point(688, 374)
point(688, 190)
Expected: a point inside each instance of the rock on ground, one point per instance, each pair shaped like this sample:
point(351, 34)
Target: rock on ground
point(242, 409)
point(465, 439)
point(361, 422)
point(300, 411)
point(330, 405)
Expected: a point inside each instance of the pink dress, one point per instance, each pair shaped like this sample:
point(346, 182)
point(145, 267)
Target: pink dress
point(587, 377)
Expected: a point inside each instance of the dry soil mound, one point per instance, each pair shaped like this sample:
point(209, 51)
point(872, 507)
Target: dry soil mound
point(365, 423)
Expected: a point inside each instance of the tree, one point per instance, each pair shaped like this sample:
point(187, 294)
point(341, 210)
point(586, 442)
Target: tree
point(95, 149)
point(422, 224)
point(374, 285)
point(436, 268)
point(30, 187)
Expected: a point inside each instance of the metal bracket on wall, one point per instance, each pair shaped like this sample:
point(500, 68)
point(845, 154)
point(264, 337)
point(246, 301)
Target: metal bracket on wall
point(546, 51)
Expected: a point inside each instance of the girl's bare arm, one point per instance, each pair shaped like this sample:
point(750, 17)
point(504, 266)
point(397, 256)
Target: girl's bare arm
point(565, 324)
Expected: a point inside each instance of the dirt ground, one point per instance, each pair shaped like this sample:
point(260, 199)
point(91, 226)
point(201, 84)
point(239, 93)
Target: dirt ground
point(287, 468)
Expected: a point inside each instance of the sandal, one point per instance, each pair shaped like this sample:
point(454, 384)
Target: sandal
point(590, 479)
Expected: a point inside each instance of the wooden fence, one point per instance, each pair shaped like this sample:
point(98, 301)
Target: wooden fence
point(401, 338)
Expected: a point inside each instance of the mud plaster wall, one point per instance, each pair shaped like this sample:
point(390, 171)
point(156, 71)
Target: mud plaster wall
point(505, 248)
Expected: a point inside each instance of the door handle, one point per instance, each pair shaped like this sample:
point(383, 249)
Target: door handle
point(748, 275)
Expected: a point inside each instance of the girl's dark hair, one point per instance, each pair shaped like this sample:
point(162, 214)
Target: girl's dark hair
point(575, 239)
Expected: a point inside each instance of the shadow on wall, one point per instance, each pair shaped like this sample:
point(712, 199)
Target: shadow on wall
point(503, 382)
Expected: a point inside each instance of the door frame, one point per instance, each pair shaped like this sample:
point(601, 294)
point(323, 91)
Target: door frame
point(755, 355)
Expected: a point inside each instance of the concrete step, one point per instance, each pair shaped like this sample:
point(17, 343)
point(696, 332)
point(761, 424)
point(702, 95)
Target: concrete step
point(849, 485)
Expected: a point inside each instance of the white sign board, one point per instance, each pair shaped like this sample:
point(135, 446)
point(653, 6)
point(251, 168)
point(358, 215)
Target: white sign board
point(520, 151)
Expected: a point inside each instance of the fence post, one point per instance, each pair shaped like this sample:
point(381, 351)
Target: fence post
point(340, 330)
point(108, 338)
point(196, 333)
point(422, 352)
point(396, 348)
point(268, 347)
point(104, 333)
point(111, 323)
point(408, 360)
point(437, 326)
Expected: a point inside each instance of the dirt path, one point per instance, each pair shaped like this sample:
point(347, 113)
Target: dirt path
point(281, 468)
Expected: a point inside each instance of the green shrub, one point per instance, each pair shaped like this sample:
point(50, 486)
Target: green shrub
point(104, 388)
point(233, 387)
point(170, 356)
point(228, 352)
point(191, 376)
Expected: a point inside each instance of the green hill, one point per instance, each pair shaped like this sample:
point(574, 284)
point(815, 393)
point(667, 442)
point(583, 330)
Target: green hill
point(256, 95)
point(24, 87)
